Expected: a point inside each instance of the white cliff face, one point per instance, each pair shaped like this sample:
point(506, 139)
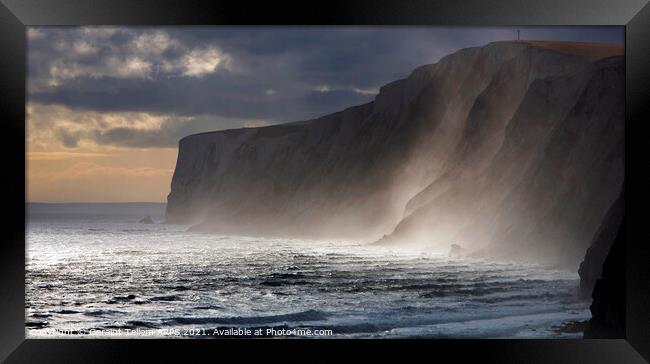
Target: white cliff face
point(510, 149)
point(542, 192)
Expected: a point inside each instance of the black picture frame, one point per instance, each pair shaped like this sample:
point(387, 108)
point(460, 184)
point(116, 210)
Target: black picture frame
point(15, 15)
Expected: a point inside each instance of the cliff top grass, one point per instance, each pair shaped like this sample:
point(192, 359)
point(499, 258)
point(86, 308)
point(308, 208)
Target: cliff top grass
point(590, 51)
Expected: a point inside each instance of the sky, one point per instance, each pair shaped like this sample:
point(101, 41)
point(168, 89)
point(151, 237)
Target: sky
point(106, 106)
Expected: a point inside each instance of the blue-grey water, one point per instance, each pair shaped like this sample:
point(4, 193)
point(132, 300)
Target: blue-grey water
point(94, 271)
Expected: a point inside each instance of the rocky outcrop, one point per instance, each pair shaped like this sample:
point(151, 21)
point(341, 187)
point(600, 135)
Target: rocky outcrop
point(456, 251)
point(513, 150)
point(146, 220)
point(608, 306)
point(592, 266)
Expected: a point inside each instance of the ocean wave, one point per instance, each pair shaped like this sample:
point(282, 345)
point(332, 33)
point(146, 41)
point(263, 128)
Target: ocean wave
point(36, 324)
point(287, 275)
point(178, 288)
point(279, 283)
point(521, 297)
point(66, 312)
point(358, 328)
point(165, 298)
point(41, 315)
point(99, 313)
point(120, 299)
point(306, 316)
point(132, 325)
point(162, 280)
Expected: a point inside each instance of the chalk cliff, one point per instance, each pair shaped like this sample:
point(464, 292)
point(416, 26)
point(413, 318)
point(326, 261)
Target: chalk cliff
point(511, 150)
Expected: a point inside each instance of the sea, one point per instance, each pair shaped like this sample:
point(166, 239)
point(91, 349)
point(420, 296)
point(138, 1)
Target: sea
point(95, 271)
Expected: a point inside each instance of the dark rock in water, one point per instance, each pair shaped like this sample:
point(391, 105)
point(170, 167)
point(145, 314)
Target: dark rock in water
point(165, 298)
point(608, 306)
point(125, 298)
point(133, 324)
point(571, 327)
point(457, 251)
point(591, 267)
point(120, 299)
point(146, 220)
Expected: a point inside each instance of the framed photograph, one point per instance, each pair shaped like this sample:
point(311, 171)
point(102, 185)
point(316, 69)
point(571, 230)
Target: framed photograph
point(311, 181)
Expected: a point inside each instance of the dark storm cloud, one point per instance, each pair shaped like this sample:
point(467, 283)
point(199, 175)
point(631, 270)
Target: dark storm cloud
point(236, 73)
point(69, 140)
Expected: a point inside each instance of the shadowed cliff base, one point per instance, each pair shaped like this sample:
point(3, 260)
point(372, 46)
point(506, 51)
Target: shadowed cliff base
point(513, 150)
point(591, 268)
point(608, 306)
